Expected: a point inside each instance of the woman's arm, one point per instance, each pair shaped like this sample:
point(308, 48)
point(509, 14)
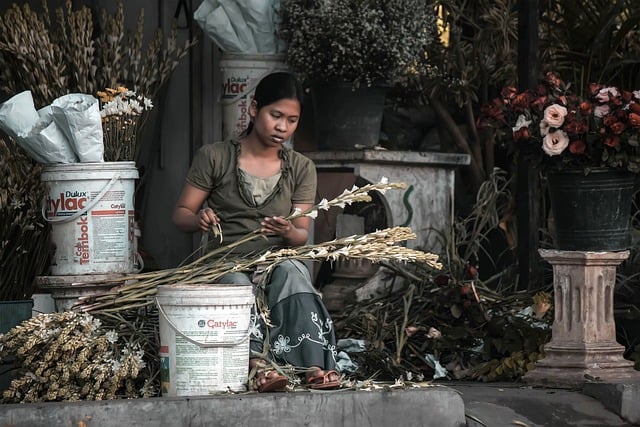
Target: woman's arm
point(295, 233)
point(188, 215)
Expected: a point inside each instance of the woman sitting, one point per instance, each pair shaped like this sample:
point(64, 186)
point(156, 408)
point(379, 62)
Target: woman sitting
point(252, 183)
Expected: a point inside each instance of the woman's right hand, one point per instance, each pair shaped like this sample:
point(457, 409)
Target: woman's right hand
point(187, 214)
point(206, 218)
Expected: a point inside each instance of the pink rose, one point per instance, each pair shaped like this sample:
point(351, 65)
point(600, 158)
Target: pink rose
point(554, 115)
point(555, 142)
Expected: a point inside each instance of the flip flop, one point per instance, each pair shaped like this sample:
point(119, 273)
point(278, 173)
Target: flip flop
point(274, 381)
point(320, 381)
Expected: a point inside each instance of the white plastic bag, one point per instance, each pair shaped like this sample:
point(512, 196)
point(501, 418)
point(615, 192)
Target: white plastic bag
point(18, 114)
point(34, 131)
point(78, 117)
point(47, 141)
point(240, 26)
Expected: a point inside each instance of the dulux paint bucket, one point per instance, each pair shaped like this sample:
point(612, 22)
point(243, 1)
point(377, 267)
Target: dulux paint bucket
point(90, 207)
point(240, 76)
point(204, 338)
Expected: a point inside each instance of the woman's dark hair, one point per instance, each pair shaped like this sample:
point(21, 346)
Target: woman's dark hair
point(273, 88)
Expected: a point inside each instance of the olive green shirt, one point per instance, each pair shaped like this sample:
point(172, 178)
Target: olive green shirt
point(215, 169)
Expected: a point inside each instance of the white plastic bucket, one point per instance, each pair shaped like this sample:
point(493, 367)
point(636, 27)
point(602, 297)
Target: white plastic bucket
point(240, 76)
point(204, 338)
point(91, 211)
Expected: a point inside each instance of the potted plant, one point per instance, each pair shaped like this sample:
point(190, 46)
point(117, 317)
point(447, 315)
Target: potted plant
point(348, 51)
point(588, 148)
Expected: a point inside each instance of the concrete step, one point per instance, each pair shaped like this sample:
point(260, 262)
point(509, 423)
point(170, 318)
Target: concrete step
point(434, 406)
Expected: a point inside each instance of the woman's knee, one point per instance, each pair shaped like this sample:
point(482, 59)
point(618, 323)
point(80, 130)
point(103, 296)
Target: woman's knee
point(292, 270)
point(235, 278)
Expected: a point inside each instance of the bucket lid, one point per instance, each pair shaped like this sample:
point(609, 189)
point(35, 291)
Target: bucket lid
point(208, 294)
point(95, 170)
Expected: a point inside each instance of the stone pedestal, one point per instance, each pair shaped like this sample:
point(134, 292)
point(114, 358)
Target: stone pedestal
point(583, 347)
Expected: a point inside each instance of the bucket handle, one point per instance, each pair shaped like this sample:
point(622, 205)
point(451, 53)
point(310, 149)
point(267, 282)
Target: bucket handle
point(199, 343)
point(87, 207)
point(249, 88)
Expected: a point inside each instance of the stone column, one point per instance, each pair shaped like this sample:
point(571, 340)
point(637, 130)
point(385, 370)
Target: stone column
point(583, 347)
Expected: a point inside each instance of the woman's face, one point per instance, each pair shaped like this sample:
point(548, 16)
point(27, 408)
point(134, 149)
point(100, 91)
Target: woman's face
point(275, 123)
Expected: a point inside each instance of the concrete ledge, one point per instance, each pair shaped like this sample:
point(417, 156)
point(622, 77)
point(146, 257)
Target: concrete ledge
point(623, 399)
point(435, 406)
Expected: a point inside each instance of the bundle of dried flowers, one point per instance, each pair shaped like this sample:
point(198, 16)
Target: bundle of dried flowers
point(69, 55)
point(377, 246)
point(70, 356)
point(24, 234)
point(122, 113)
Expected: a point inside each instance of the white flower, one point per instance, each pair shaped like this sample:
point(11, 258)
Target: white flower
point(16, 204)
point(346, 192)
point(311, 254)
point(324, 205)
point(605, 94)
point(434, 333)
point(344, 251)
point(544, 128)
point(601, 110)
point(111, 336)
point(312, 214)
point(264, 256)
point(384, 180)
point(522, 122)
point(321, 252)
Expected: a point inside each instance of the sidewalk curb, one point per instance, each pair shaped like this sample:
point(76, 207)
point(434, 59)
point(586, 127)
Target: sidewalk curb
point(435, 406)
point(623, 399)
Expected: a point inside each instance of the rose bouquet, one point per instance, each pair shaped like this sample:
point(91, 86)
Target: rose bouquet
point(557, 129)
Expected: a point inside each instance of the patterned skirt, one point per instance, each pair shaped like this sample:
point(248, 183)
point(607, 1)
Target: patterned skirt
point(301, 331)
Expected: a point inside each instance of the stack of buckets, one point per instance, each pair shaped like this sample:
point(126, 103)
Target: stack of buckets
point(204, 330)
point(90, 207)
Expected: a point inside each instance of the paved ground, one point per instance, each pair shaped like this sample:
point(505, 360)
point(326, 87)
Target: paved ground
point(455, 404)
point(508, 405)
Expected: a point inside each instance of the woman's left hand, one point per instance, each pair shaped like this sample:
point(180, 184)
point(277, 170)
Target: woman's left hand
point(276, 225)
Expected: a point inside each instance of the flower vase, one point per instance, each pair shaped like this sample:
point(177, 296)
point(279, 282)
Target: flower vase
point(347, 118)
point(591, 212)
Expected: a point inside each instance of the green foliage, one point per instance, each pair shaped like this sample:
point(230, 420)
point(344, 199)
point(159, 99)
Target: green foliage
point(591, 41)
point(357, 41)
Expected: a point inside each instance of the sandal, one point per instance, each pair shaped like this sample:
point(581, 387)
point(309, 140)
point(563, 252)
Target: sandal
point(274, 381)
point(320, 380)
